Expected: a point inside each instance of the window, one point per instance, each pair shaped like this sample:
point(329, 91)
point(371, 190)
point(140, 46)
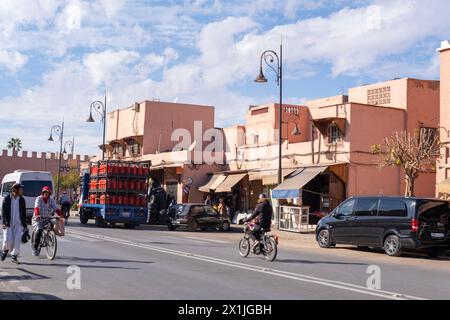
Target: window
point(34, 188)
point(334, 135)
point(197, 211)
point(392, 208)
point(135, 149)
point(366, 207)
point(6, 188)
point(346, 209)
point(211, 212)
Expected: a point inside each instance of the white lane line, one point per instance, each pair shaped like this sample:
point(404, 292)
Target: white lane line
point(278, 273)
point(207, 240)
point(24, 289)
point(4, 274)
point(79, 237)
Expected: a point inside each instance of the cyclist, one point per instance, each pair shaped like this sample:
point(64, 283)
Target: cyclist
point(44, 207)
point(263, 215)
point(65, 203)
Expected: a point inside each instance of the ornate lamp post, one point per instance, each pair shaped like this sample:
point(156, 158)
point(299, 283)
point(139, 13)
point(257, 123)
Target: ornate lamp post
point(59, 131)
point(100, 108)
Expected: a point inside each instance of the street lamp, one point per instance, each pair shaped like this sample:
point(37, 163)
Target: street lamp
point(69, 145)
point(100, 107)
point(269, 57)
point(59, 131)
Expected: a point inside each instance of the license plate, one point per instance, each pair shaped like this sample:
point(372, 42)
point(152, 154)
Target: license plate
point(126, 214)
point(438, 235)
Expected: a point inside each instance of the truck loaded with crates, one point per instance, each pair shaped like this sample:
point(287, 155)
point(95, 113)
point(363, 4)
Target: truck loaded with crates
point(115, 192)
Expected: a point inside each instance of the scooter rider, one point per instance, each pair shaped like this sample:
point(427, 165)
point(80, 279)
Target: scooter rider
point(44, 207)
point(14, 222)
point(263, 214)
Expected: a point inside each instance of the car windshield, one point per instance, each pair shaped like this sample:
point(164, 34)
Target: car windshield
point(34, 188)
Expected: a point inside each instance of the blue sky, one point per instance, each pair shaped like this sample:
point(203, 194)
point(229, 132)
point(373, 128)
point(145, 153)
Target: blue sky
point(58, 56)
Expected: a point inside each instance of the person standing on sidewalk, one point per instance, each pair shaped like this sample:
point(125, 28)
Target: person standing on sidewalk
point(14, 222)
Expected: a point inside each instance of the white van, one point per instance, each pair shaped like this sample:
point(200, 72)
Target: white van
point(33, 182)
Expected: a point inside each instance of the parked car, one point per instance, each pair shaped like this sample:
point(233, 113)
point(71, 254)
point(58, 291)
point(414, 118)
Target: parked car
point(392, 223)
point(33, 182)
point(196, 215)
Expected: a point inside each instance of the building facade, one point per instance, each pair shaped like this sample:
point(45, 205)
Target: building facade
point(443, 172)
point(326, 147)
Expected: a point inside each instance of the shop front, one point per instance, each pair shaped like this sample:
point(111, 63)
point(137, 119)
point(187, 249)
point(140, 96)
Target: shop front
point(308, 194)
point(231, 186)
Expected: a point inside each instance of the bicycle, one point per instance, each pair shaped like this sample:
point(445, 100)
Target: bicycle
point(268, 244)
point(48, 238)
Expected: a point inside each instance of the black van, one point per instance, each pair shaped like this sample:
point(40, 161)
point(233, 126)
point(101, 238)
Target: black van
point(391, 223)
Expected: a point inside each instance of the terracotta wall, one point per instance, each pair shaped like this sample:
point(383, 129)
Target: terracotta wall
point(9, 162)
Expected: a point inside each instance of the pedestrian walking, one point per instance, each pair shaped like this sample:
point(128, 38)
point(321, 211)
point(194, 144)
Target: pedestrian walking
point(208, 200)
point(14, 222)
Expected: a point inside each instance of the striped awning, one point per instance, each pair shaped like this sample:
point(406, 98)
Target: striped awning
point(290, 188)
point(230, 181)
point(213, 183)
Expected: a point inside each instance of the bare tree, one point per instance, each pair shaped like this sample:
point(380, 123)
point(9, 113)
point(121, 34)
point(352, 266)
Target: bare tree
point(413, 153)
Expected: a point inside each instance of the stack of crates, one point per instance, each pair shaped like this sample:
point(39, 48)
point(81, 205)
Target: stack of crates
point(119, 183)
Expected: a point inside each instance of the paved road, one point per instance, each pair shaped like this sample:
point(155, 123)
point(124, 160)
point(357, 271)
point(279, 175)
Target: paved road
point(153, 263)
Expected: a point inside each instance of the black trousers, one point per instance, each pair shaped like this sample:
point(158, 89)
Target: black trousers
point(256, 232)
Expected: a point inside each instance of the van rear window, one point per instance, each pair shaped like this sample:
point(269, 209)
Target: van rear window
point(392, 208)
point(34, 188)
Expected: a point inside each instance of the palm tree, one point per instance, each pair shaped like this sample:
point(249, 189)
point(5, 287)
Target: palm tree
point(15, 144)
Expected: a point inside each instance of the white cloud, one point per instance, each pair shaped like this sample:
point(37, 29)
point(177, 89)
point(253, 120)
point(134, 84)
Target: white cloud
point(12, 61)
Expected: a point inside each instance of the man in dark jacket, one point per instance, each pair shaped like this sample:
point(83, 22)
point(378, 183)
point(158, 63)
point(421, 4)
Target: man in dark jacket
point(263, 215)
point(14, 223)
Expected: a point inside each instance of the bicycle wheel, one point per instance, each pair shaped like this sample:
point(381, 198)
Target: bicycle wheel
point(52, 245)
point(270, 249)
point(244, 247)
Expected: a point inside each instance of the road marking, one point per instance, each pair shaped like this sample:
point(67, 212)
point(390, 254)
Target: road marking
point(79, 237)
point(208, 240)
point(24, 289)
point(253, 268)
point(4, 274)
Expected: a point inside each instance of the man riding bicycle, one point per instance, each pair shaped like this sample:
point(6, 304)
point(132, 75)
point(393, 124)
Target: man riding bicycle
point(65, 203)
point(44, 207)
point(263, 215)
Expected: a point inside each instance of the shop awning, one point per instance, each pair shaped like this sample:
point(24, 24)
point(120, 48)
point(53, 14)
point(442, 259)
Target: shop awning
point(230, 181)
point(290, 188)
point(443, 187)
point(269, 177)
point(213, 183)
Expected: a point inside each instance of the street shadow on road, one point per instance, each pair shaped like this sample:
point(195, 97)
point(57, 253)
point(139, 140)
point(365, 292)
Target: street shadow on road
point(87, 266)
point(27, 276)
point(319, 262)
point(407, 254)
point(93, 260)
point(27, 296)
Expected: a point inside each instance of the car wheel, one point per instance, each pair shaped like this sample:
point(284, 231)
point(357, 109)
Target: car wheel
point(83, 218)
point(225, 226)
point(435, 252)
point(392, 246)
point(192, 225)
point(324, 239)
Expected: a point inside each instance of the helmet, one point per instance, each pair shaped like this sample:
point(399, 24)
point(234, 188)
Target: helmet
point(25, 236)
point(47, 189)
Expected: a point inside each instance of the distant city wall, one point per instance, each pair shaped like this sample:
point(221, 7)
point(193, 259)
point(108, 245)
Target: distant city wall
point(36, 161)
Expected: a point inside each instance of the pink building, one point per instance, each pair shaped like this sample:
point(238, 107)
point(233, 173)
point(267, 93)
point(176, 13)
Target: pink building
point(327, 146)
point(443, 173)
point(170, 136)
